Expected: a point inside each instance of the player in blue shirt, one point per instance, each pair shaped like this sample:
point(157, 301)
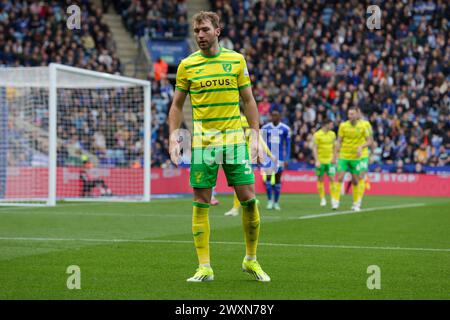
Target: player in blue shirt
point(278, 138)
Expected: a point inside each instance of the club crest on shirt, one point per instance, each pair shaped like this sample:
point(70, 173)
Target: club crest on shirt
point(226, 67)
point(198, 176)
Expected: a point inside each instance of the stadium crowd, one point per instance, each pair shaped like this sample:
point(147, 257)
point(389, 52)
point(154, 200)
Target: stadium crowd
point(34, 33)
point(163, 94)
point(314, 59)
point(398, 75)
point(157, 19)
point(154, 18)
point(104, 126)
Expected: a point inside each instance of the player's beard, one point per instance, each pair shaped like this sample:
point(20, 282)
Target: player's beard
point(205, 45)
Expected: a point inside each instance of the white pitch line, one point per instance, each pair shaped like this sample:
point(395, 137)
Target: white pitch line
point(188, 216)
point(8, 208)
point(326, 246)
point(5, 207)
point(338, 213)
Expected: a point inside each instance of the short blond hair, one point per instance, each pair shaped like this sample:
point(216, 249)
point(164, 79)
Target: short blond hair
point(207, 15)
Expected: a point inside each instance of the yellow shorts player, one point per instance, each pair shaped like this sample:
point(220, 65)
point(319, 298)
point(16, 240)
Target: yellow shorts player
point(325, 159)
point(215, 78)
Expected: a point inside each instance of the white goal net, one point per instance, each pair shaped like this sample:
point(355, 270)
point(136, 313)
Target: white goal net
point(68, 133)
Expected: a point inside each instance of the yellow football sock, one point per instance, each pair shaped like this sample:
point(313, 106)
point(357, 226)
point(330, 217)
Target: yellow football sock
point(333, 190)
point(367, 183)
point(250, 221)
point(201, 231)
point(355, 193)
point(321, 189)
point(362, 188)
point(236, 202)
point(337, 190)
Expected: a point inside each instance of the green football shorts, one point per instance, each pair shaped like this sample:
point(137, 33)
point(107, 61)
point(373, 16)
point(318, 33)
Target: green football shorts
point(234, 160)
point(364, 164)
point(345, 165)
point(327, 168)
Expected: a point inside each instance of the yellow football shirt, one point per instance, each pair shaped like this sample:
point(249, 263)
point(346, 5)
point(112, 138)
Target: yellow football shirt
point(213, 84)
point(325, 145)
point(368, 126)
point(351, 136)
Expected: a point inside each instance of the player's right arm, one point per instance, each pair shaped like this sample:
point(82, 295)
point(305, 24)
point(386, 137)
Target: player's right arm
point(175, 119)
point(176, 112)
point(337, 147)
point(339, 140)
point(314, 150)
point(335, 154)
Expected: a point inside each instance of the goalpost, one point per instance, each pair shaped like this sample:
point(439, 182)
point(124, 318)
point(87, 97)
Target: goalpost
point(73, 134)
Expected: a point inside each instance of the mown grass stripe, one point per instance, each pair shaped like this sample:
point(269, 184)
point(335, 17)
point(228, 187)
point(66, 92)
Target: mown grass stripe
point(189, 242)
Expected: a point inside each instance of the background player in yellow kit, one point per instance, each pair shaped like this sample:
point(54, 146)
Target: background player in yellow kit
point(325, 159)
point(349, 147)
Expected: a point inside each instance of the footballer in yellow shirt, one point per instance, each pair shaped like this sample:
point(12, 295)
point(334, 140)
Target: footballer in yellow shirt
point(215, 78)
point(325, 158)
point(353, 137)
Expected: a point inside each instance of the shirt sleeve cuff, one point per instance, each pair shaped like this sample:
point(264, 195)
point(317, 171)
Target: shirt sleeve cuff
point(245, 86)
point(182, 90)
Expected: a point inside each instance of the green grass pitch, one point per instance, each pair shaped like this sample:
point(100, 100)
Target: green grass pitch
point(145, 251)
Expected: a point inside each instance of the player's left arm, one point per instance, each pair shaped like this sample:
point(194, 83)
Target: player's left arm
point(252, 115)
point(245, 91)
point(369, 142)
point(338, 143)
point(263, 145)
point(369, 127)
point(251, 111)
point(288, 147)
point(250, 108)
point(366, 144)
point(335, 151)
